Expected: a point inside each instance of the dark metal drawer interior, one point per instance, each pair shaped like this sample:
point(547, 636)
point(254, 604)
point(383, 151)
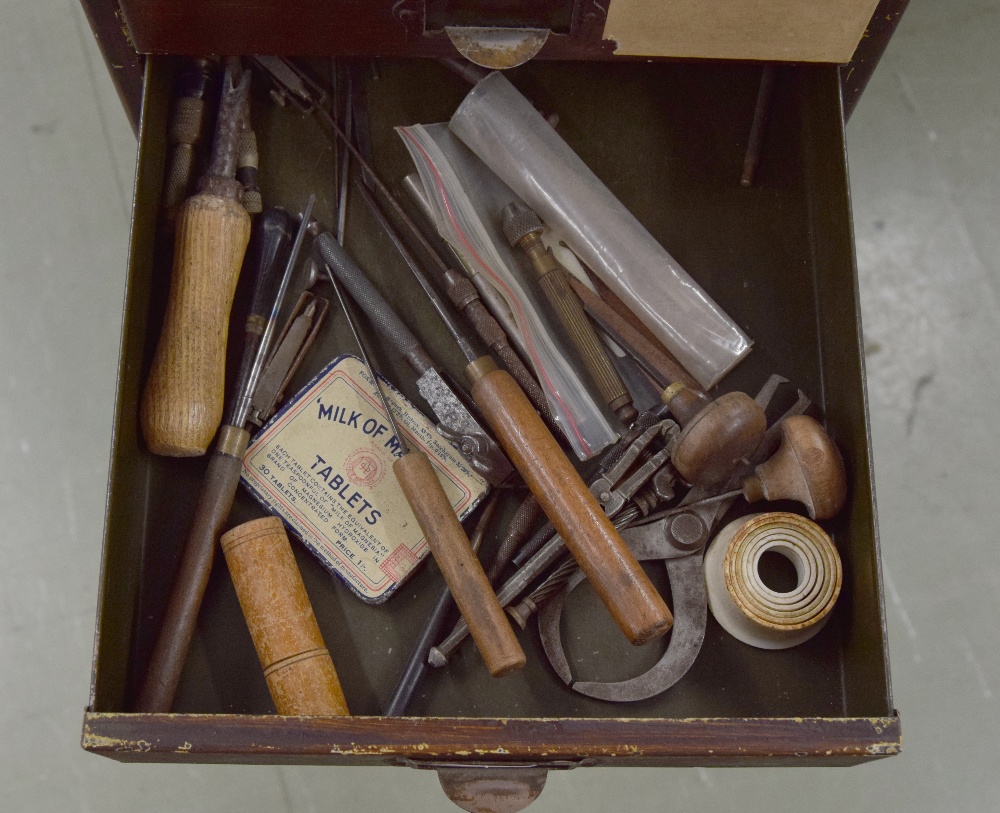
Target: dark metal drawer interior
point(668, 139)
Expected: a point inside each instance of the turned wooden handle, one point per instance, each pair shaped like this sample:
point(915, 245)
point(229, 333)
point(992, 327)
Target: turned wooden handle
point(461, 569)
point(717, 437)
point(183, 399)
point(297, 666)
point(807, 467)
point(574, 512)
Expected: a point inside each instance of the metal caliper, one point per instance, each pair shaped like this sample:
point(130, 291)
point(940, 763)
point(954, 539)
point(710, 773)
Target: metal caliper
point(677, 537)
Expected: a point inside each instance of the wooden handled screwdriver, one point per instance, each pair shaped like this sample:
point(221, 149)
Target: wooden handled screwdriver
point(575, 513)
point(183, 399)
point(223, 475)
point(447, 540)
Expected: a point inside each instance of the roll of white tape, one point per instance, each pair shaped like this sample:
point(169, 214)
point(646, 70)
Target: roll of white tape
point(745, 606)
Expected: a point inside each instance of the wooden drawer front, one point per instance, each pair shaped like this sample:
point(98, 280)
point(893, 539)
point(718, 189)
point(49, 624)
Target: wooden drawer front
point(778, 30)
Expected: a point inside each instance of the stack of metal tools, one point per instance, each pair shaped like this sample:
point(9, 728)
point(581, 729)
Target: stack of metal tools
point(659, 492)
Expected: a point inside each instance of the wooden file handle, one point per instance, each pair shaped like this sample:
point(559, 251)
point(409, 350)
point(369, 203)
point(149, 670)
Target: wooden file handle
point(574, 512)
point(183, 399)
point(488, 624)
point(297, 665)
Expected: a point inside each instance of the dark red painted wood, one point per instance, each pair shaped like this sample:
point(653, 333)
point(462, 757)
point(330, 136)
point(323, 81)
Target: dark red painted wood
point(364, 740)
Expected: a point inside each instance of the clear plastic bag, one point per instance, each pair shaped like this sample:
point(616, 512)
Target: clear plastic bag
point(466, 199)
point(500, 126)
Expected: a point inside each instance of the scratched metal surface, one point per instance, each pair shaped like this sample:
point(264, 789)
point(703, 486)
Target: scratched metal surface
point(926, 185)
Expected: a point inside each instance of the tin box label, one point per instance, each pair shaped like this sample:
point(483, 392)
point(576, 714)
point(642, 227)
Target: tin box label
point(324, 465)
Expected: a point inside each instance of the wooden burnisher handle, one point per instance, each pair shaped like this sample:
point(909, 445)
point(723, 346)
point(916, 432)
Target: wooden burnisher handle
point(488, 624)
point(183, 400)
point(297, 665)
point(574, 512)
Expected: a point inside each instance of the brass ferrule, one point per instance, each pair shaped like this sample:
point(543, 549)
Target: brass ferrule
point(479, 368)
point(541, 260)
point(233, 441)
point(670, 392)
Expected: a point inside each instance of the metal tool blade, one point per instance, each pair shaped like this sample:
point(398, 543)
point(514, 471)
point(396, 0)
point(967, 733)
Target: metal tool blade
point(460, 427)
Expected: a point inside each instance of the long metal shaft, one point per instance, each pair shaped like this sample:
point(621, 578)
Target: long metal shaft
point(520, 525)
point(442, 309)
point(448, 543)
point(215, 501)
point(345, 168)
point(608, 459)
point(492, 298)
point(489, 315)
point(246, 397)
point(550, 553)
point(400, 212)
point(507, 355)
point(364, 357)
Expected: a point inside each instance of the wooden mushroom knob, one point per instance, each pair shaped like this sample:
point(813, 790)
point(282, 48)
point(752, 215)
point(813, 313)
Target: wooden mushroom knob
point(807, 468)
point(717, 434)
point(297, 666)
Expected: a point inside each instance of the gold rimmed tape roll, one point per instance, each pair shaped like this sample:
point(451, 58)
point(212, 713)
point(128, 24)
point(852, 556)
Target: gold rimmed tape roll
point(745, 606)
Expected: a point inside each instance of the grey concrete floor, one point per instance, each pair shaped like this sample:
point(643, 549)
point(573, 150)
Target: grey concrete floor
point(926, 183)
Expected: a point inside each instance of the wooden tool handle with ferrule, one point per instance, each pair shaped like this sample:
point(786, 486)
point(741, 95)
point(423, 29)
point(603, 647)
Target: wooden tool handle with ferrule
point(619, 580)
point(461, 569)
point(183, 400)
point(297, 666)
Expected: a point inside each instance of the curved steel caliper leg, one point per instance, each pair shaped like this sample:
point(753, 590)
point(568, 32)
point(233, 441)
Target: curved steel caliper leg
point(657, 540)
point(687, 585)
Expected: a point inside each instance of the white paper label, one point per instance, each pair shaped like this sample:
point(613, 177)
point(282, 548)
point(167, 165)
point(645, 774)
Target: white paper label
point(324, 465)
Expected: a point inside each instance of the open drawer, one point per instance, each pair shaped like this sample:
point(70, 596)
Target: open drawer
point(669, 140)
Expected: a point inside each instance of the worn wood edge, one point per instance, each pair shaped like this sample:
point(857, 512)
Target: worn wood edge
point(363, 740)
point(855, 74)
point(124, 65)
point(98, 725)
